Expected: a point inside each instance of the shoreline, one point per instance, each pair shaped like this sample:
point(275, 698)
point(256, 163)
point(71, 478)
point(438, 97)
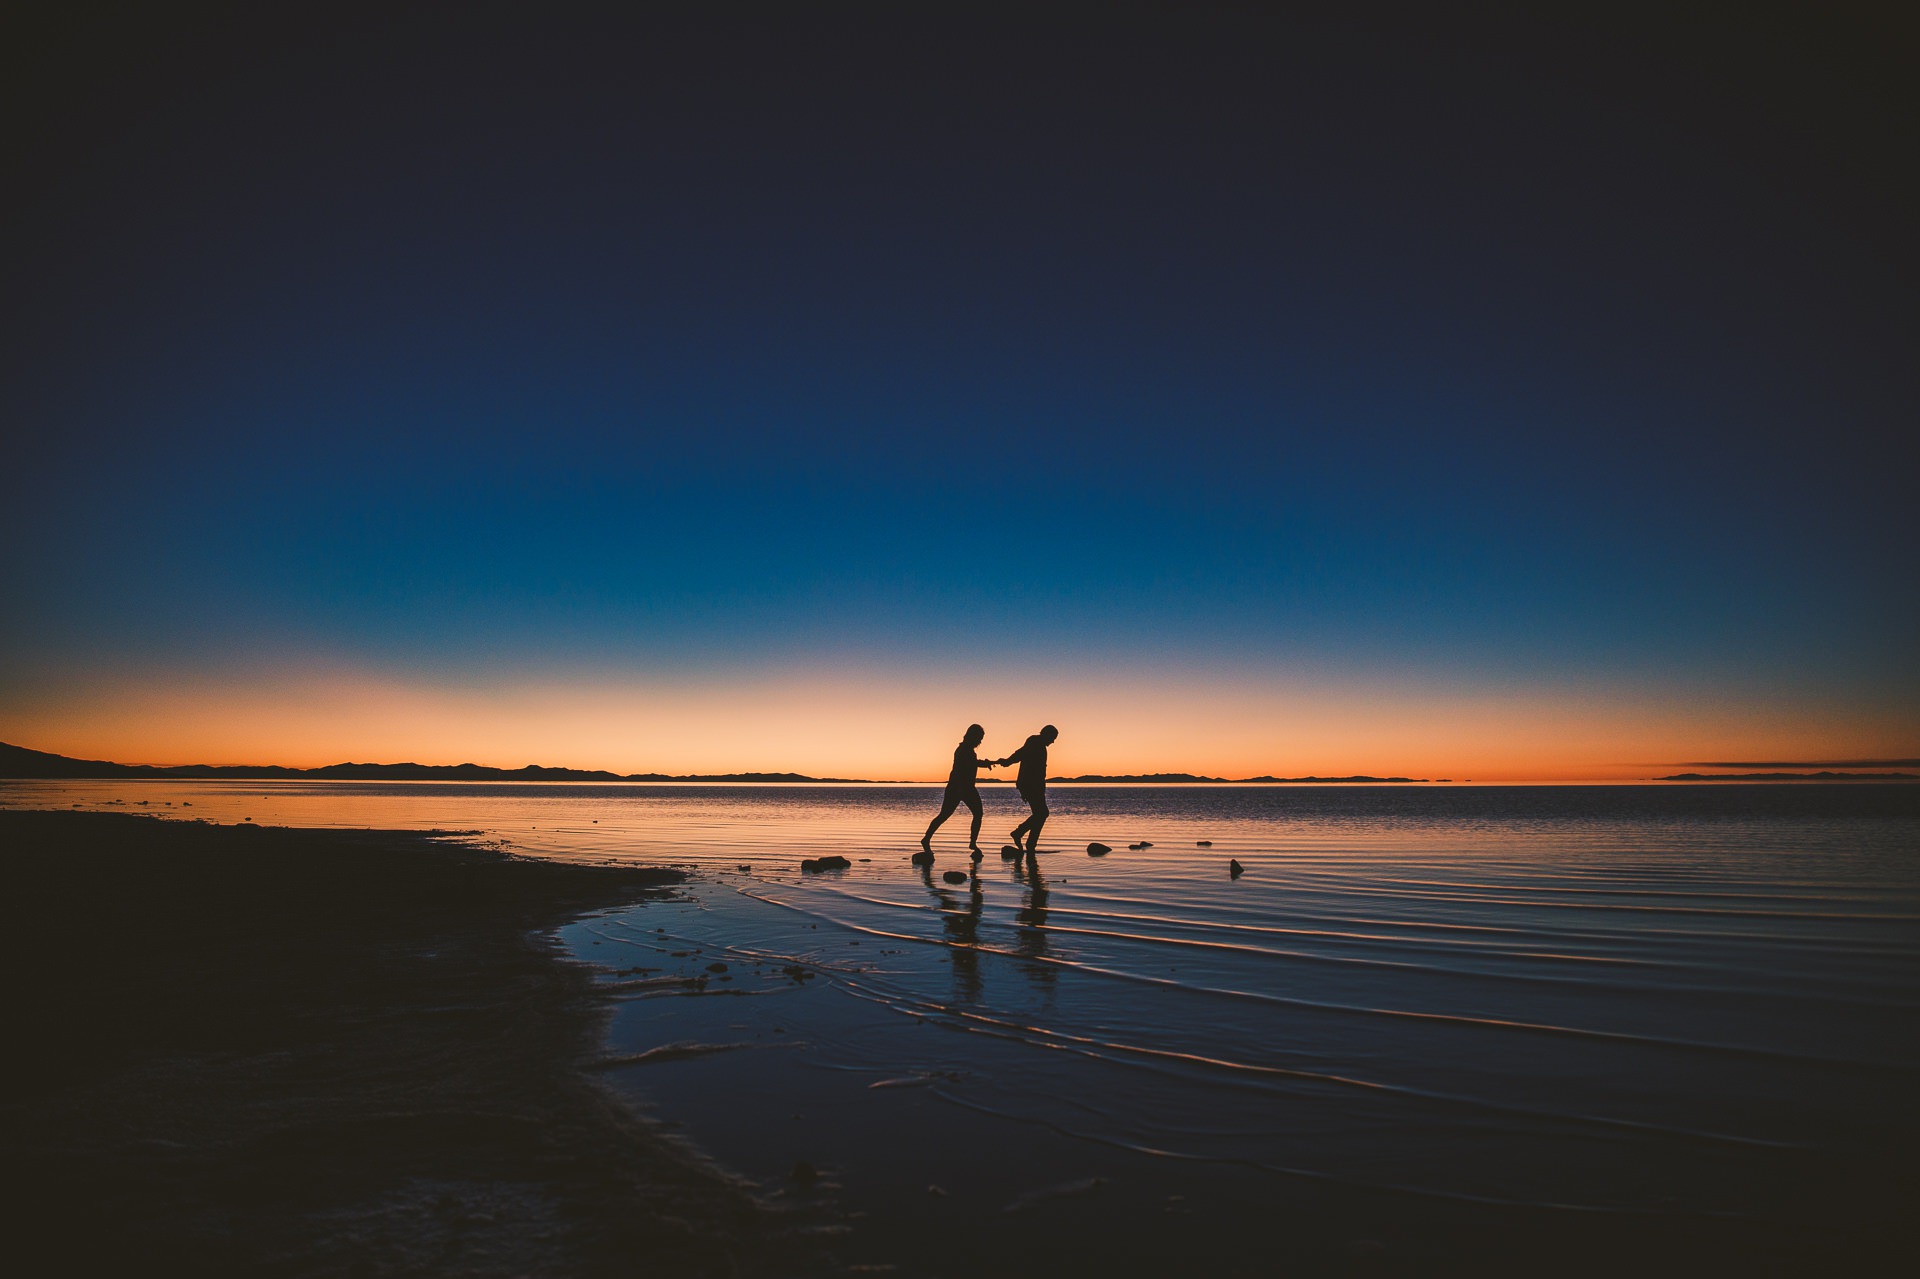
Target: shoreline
point(267, 1050)
point(288, 1051)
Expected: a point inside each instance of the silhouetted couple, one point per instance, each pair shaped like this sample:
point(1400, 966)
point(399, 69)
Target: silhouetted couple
point(963, 786)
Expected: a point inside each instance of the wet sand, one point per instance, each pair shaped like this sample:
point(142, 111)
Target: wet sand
point(272, 1051)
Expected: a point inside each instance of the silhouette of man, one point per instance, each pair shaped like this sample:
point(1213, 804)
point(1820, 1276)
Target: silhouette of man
point(962, 788)
point(1032, 783)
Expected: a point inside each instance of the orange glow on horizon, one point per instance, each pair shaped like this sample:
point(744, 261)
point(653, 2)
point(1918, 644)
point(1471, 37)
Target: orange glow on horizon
point(897, 725)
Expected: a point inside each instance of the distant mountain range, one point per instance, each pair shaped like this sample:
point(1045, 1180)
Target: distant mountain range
point(18, 761)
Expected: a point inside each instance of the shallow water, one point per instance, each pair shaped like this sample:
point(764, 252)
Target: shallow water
point(1612, 999)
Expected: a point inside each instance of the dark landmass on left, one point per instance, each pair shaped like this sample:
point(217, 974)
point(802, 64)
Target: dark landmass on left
point(18, 761)
point(269, 1051)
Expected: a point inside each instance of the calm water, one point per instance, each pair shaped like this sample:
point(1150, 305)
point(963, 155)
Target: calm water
point(1634, 1000)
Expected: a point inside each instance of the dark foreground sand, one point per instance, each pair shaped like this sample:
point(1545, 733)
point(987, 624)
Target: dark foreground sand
point(237, 1050)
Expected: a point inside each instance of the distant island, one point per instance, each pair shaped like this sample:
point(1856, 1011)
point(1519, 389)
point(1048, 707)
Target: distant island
point(18, 761)
point(1164, 779)
point(1790, 777)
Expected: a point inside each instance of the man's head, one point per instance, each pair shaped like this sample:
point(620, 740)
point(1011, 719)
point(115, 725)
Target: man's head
point(1048, 733)
point(975, 735)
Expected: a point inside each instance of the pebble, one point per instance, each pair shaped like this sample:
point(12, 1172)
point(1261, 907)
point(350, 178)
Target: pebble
point(1097, 850)
point(955, 877)
point(1203, 843)
point(1234, 868)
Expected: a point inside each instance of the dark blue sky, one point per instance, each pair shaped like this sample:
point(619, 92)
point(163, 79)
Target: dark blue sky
point(474, 344)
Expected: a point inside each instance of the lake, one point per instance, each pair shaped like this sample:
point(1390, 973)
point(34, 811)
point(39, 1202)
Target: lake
point(1638, 1003)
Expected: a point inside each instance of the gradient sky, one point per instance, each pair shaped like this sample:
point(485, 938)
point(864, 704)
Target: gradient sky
point(746, 387)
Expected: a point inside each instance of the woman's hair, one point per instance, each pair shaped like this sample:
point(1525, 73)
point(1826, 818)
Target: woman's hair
point(975, 728)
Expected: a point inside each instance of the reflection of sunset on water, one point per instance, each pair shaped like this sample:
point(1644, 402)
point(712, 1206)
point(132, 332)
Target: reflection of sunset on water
point(1544, 977)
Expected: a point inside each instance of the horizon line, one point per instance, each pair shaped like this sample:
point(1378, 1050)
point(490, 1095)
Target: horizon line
point(789, 777)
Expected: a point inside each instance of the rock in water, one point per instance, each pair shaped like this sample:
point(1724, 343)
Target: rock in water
point(1009, 852)
point(1136, 847)
point(1235, 869)
point(1097, 850)
point(832, 862)
point(1203, 843)
point(955, 877)
point(1146, 843)
point(923, 858)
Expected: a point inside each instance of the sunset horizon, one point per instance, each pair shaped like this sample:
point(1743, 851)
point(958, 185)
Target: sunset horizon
point(849, 727)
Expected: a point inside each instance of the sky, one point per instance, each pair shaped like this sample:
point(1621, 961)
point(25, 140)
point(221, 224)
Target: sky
point(783, 387)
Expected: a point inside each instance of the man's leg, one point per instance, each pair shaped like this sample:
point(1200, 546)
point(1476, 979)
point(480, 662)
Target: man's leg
point(1038, 820)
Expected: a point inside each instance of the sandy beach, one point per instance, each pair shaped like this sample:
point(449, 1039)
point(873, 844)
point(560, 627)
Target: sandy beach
point(271, 1051)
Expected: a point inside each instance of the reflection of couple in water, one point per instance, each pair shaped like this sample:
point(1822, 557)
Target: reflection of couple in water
point(961, 912)
point(962, 786)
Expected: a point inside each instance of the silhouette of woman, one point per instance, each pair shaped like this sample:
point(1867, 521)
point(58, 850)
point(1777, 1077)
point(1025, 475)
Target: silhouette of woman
point(1032, 783)
point(962, 788)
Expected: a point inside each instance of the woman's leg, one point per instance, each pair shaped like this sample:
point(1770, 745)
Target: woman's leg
point(951, 802)
point(972, 800)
